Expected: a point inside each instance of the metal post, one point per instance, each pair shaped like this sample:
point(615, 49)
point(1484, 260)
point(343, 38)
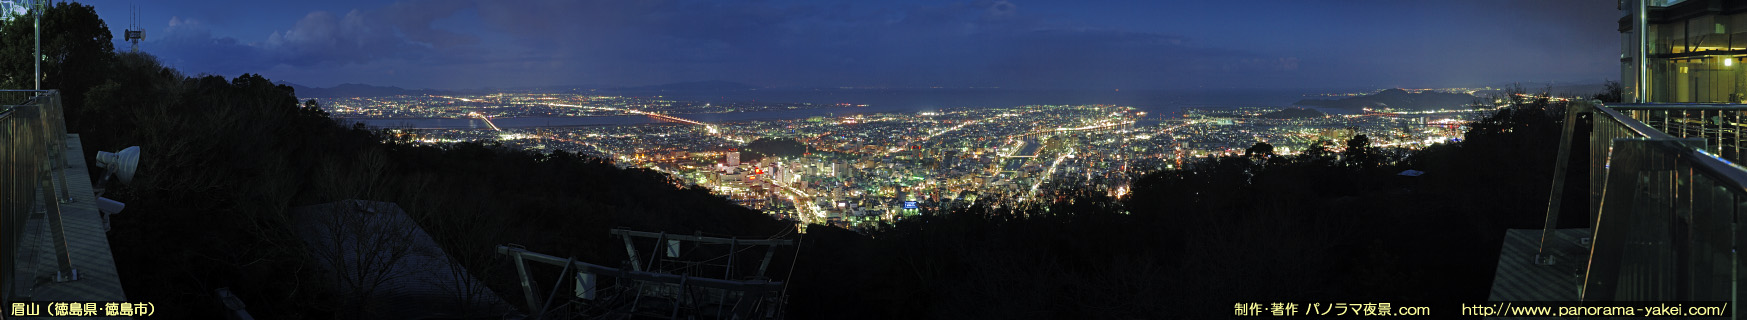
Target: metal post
point(555, 285)
point(63, 256)
point(683, 298)
point(37, 57)
point(1556, 196)
point(638, 300)
point(732, 244)
point(721, 301)
point(1738, 233)
point(1641, 18)
point(527, 287)
point(630, 250)
point(660, 246)
point(769, 251)
point(14, 204)
point(47, 110)
point(60, 132)
point(1611, 227)
point(677, 298)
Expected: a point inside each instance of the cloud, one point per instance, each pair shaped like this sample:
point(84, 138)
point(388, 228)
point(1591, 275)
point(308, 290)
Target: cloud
point(187, 42)
point(1001, 8)
point(414, 22)
point(981, 43)
point(323, 38)
point(319, 39)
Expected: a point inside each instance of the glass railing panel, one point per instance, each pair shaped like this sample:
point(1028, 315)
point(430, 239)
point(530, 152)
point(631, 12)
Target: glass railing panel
point(1667, 221)
point(21, 151)
point(1712, 244)
point(32, 180)
point(1667, 210)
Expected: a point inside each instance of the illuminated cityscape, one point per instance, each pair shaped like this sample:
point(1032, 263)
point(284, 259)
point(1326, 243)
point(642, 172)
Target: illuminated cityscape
point(862, 168)
point(782, 159)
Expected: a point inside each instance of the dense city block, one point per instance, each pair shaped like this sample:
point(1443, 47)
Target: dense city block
point(852, 168)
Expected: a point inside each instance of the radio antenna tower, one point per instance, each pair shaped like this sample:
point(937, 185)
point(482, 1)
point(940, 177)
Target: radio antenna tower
point(134, 32)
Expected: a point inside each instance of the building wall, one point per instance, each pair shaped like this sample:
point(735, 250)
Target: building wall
point(1694, 53)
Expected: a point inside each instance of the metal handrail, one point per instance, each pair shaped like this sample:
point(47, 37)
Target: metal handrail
point(1641, 129)
point(1680, 106)
point(1713, 164)
point(1665, 211)
point(32, 168)
point(752, 291)
point(16, 196)
point(54, 130)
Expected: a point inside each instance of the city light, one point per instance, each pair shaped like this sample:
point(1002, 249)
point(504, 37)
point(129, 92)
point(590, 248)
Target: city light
point(863, 166)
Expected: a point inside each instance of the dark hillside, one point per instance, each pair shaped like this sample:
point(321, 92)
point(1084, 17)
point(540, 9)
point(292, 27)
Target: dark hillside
point(1396, 99)
point(225, 158)
point(1190, 243)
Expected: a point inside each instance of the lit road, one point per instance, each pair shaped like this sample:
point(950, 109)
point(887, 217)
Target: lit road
point(657, 116)
point(1096, 126)
point(1048, 173)
point(804, 207)
point(954, 128)
point(663, 117)
point(961, 125)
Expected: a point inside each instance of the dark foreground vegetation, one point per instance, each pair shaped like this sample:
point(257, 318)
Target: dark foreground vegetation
point(225, 159)
point(1191, 243)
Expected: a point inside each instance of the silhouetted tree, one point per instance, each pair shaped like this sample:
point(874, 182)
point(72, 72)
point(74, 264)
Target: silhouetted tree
point(77, 48)
point(1613, 93)
point(228, 156)
point(362, 240)
point(1359, 153)
point(1260, 149)
point(1317, 152)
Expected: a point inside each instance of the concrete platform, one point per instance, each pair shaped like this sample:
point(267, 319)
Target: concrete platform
point(88, 245)
point(1518, 278)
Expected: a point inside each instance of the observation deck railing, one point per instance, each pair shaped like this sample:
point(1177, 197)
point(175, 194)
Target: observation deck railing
point(1667, 200)
point(33, 185)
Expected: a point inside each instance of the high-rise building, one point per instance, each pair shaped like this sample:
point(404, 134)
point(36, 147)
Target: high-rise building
point(1683, 51)
point(733, 158)
point(1665, 184)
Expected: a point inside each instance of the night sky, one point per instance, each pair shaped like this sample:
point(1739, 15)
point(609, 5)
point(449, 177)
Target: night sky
point(459, 44)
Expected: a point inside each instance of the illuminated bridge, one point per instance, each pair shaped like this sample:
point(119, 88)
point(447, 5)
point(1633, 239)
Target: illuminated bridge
point(651, 115)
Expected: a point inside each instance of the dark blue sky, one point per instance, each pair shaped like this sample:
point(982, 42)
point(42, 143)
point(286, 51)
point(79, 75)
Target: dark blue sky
point(452, 44)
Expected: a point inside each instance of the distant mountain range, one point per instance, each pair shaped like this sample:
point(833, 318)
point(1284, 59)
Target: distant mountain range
point(694, 86)
point(1560, 89)
point(358, 90)
point(1294, 113)
point(1394, 98)
point(365, 90)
